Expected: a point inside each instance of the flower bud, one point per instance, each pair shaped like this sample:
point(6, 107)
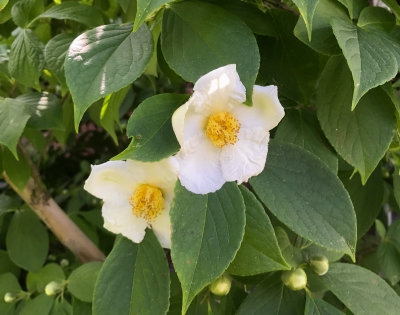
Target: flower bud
point(295, 279)
point(221, 286)
point(64, 263)
point(9, 297)
point(52, 288)
point(319, 264)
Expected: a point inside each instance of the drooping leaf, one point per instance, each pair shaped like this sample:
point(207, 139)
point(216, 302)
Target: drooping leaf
point(303, 193)
point(319, 307)
point(371, 62)
point(13, 117)
point(301, 127)
point(145, 8)
point(198, 37)
point(272, 297)
point(150, 127)
point(75, 11)
point(307, 9)
point(206, 234)
point(26, 59)
point(27, 241)
point(55, 52)
point(363, 135)
point(322, 39)
point(104, 60)
point(286, 61)
point(45, 110)
point(37, 281)
point(362, 291)
point(25, 11)
point(82, 280)
point(259, 251)
point(143, 273)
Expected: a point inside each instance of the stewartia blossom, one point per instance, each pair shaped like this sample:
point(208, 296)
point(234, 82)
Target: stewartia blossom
point(136, 195)
point(221, 138)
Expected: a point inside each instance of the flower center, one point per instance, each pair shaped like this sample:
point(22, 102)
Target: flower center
point(222, 129)
point(147, 202)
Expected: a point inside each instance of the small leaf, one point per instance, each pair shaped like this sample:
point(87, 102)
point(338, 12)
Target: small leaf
point(18, 171)
point(272, 297)
point(82, 280)
point(198, 37)
point(7, 265)
point(45, 108)
point(27, 241)
point(259, 251)
point(5, 14)
point(307, 9)
point(7, 203)
point(81, 308)
point(143, 273)
point(37, 281)
point(27, 59)
point(363, 135)
point(75, 11)
point(376, 17)
point(40, 305)
point(354, 7)
point(145, 8)
point(396, 183)
point(319, 307)
point(206, 234)
point(362, 291)
point(61, 307)
point(394, 7)
point(151, 128)
point(8, 283)
point(304, 194)
point(389, 260)
point(104, 60)
point(25, 11)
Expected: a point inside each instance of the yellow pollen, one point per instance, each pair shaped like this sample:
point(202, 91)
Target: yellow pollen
point(222, 129)
point(147, 202)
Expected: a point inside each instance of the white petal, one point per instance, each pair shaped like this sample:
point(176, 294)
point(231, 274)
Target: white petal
point(162, 174)
point(162, 228)
point(199, 166)
point(110, 181)
point(187, 123)
point(246, 158)
point(266, 111)
point(120, 220)
point(219, 90)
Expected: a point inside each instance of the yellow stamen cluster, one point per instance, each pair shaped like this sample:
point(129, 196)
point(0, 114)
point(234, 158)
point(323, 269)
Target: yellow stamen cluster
point(222, 129)
point(147, 202)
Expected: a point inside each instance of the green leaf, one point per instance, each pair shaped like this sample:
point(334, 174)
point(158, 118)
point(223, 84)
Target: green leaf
point(272, 297)
point(198, 37)
point(14, 115)
point(307, 197)
point(291, 254)
point(389, 260)
point(25, 11)
point(37, 281)
point(68, 122)
point(104, 60)
point(206, 234)
point(151, 128)
point(258, 21)
point(125, 4)
point(361, 136)
point(75, 11)
point(27, 241)
point(366, 199)
point(396, 183)
point(40, 305)
point(319, 307)
point(45, 109)
point(286, 61)
point(18, 171)
point(7, 203)
point(228, 304)
point(8, 283)
point(301, 127)
point(82, 280)
point(307, 10)
point(362, 291)
point(370, 61)
point(323, 39)
point(5, 14)
point(394, 7)
point(143, 273)
point(376, 17)
point(259, 251)
point(55, 52)
point(146, 8)
point(354, 7)
point(27, 59)
point(109, 114)
point(81, 308)
point(7, 265)
point(3, 3)
point(61, 307)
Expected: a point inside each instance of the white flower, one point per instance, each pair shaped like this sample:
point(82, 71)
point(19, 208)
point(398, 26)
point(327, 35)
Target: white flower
point(136, 195)
point(221, 138)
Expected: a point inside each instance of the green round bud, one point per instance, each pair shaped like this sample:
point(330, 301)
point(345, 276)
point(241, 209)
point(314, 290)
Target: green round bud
point(319, 264)
point(9, 297)
point(221, 286)
point(295, 279)
point(52, 288)
point(64, 263)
